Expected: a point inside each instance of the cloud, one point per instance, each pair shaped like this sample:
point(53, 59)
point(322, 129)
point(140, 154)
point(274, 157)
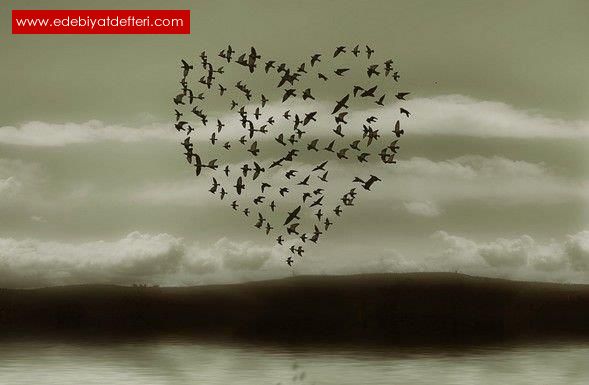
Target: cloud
point(521, 255)
point(424, 209)
point(496, 180)
point(165, 259)
point(242, 256)
point(389, 261)
point(228, 255)
point(136, 257)
point(18, 180)
point(38, 219)
point(577, 249)
point(463, 115)
point(439, 115)
point(192, 192)
point(9, 186)
point(60, 134)
point(422, 186)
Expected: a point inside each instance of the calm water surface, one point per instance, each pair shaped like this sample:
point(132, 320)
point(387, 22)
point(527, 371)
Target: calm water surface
point(187, 362)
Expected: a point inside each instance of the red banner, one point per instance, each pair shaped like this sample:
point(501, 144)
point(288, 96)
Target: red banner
point(101, 21)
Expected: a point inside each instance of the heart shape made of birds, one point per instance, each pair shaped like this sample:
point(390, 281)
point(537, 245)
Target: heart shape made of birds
point(290, 148)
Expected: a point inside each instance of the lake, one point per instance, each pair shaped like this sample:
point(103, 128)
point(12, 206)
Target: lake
point(179, 362)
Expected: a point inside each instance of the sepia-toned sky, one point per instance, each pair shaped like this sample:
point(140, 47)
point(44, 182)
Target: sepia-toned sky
point(492, 177)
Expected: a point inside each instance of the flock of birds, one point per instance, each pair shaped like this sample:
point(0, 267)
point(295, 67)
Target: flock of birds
point(274, 182)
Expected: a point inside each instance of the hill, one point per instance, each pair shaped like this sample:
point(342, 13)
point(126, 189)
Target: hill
point(375, 308)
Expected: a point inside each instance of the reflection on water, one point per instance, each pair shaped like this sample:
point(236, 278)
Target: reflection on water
point(182, 362)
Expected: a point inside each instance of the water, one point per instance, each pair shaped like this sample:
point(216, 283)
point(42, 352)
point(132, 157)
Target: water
point(186, 362)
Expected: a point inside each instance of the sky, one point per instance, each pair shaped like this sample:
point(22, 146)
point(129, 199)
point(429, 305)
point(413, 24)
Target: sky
point(491, 178)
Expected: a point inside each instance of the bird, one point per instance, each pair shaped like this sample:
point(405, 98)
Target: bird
point(341, 118)
point(341, 154)
point(288, 93)
point(380, 100)
point(327, 223)
point(260, 221)
point(362, 157)
point(404, 112)
point(216, 184)
point(186, 67)
point(280, 139)
point(319, 215)
point(239, 186)
point(264, 186)
point(305, 181)
point(254, 149)
point(338, 131)
point(220, 125)
point(401, 95)
point(292, 229)
point(369, 51)
point(315, 58)
point(341, 71)
point(398, 131)
point(309, 117)
point(268, 228)
point(368, 183)
point(313, 145)
point(257, 171)
point(372, 70)
point(307, 94)
point(317, 202)
point(339, 50)
point(369, 92)
point(337, 210)
point(292, 215)
point(316, 234)
point(320, 166)
point(341, 104)
point(269, 64)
